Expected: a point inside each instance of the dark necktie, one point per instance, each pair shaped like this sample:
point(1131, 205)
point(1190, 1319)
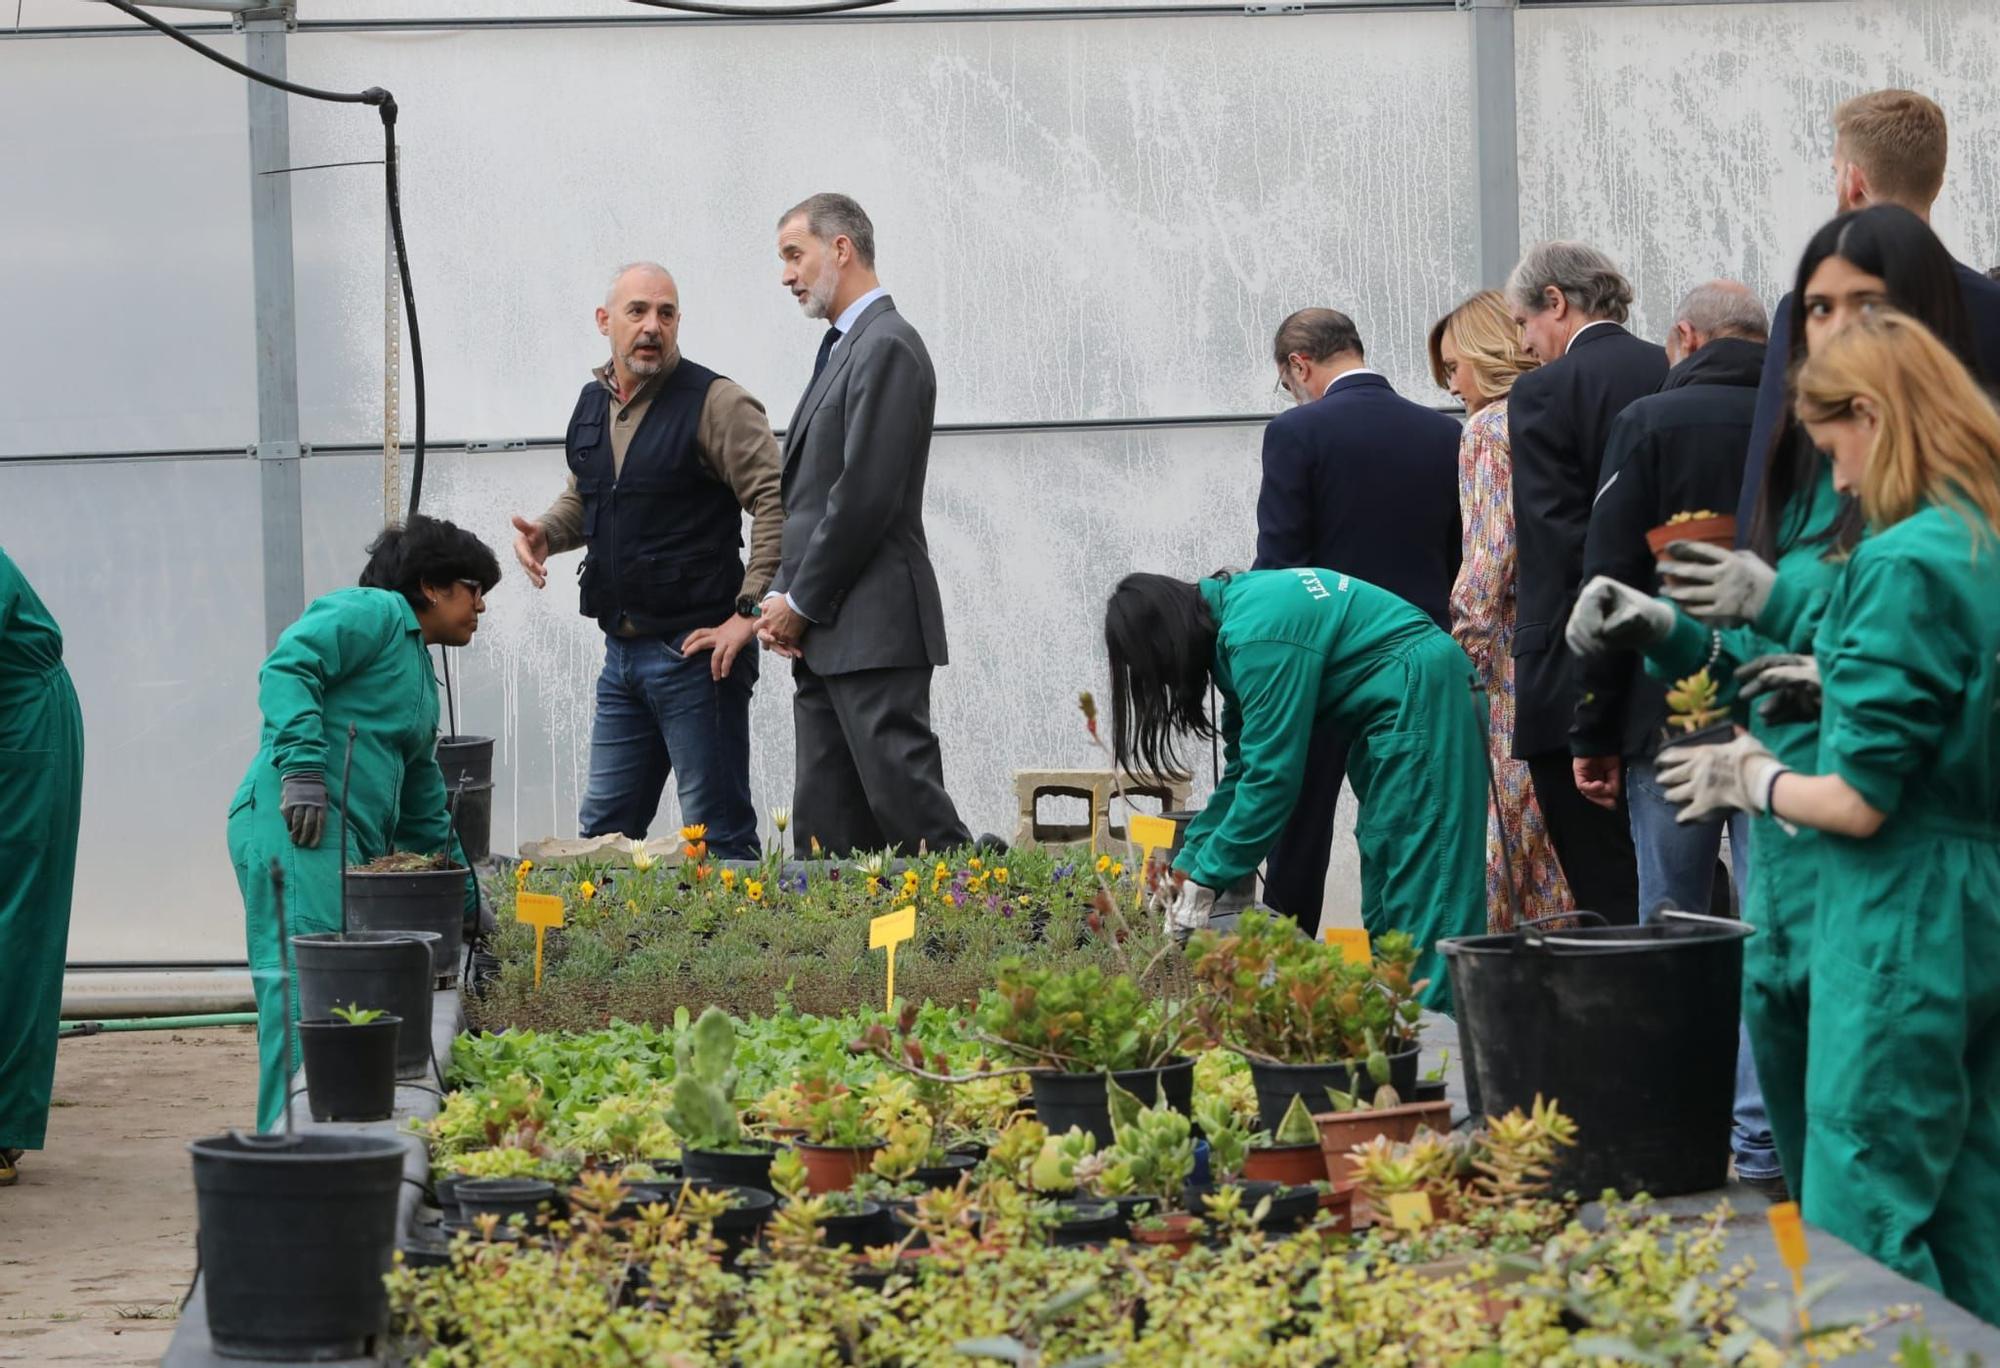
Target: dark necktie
point(825, 350)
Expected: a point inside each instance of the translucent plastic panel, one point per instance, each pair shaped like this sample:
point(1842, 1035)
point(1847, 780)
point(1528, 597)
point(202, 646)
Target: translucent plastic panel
point(159, 591)
point(125, 279)
point(1024, 562)
point(1696, 141)
point(1104, 218)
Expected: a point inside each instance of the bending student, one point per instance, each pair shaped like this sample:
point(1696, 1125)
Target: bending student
point(41, 805)
point(1288, 650)
point(1902, 1080)
point(360, 656)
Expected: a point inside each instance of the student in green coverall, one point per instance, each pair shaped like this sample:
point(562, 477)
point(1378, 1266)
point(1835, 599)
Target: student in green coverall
point(1287, 649)
point(1759, 609)
point(41, 804)
point(356, 656)
point(1903, 1061)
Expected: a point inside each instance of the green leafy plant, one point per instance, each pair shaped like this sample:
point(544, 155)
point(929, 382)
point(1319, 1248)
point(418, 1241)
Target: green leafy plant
point(1279, 996)
point(834, 1115)
point(1151, 1153)
point(1078, 1020)
point(359, 1016)
point(1296, 1126)
point(1228, 1137)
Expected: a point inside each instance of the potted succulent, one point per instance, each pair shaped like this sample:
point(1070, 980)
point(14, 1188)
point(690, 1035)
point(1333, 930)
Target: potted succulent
point(702, 1108)
point(839, 1140)
point(1290, 1154)
point(1695, 715)
point(1354, 1121)
point(1700, 525)
point(1305, 1018)
point(846, 1220)
point(1060, 1171)
point(350, 1062)
point(1084, 1029)
point(1146, 1170)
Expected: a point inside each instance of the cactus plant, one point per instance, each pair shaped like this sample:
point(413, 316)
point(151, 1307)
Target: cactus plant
point(702, 1107)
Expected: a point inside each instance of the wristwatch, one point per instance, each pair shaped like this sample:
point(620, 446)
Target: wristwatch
point(746, 606)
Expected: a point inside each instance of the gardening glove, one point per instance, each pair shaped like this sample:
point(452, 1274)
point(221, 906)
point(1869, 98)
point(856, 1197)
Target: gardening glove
point(1788, 685)
point(302, 803)
point(1190, 910)
point(1720, 587)
point(1613, 616)
point(1705, 781)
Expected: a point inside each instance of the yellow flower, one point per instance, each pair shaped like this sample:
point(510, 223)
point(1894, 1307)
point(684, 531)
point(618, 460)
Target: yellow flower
point(586, 890)
point(641, 861)
point(973, 863)
point(942, 872)
point(521, 874)
point(1117, 868)
point(632, 906)
point(753, 890)
point(1024, 900)
point(728, 877)
point(817, 848)
point(694, 833)
point(1000, 874)
point(781, 818)
point(874, 884)
point(950, 899)
point(1103, 863)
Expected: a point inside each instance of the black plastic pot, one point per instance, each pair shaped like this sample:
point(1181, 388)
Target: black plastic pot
point(857, 1229)
point(531, 1198)
point(1278, 1084)
point(1253, 1191)
point(428, 900)
point(467, 763)
point(738, 1227)
point(295, 1234)
point(1533, 1008)
point(387, 970)
point(1715, 734)
point(749, 1168)
point(1429, 1090)
point(350, 1070)
point(1086, 1223)
point(947, 1174)
point(1133, 1207)
point(1063, 1100)
point(1292, 1209)
point(445, 1189)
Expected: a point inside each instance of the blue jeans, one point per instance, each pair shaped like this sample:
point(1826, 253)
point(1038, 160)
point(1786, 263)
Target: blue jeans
point(1677, 870)
point(659, 713)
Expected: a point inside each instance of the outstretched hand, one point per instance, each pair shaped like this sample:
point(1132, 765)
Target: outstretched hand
point(531, 548)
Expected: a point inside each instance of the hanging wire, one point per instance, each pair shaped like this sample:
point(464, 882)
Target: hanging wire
point(761, 11)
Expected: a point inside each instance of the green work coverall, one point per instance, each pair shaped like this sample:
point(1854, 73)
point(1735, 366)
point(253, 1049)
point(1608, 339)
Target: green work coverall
point(1297, 647)
point(41, 803)
point(1903, 1060)
point(1783, 877)
point(356, 655)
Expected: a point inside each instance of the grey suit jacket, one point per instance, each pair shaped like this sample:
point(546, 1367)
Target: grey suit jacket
point(856, 453)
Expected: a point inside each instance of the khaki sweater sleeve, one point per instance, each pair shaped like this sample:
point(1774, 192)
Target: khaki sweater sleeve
point(736, 442)
point(564, 520)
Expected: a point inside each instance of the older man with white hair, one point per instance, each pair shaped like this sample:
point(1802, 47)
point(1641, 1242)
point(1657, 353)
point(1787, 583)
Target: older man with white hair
point(665, 456)
point(1570, 303)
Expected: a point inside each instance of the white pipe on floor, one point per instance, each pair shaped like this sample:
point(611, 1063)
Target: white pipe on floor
point(100, 994)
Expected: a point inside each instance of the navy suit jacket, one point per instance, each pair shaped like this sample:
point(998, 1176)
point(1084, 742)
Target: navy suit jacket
point(1365, 482)
point(1982, 309)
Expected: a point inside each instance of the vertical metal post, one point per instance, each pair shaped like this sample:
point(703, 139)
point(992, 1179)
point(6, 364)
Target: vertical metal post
point(1496, 147)
point(277, 447)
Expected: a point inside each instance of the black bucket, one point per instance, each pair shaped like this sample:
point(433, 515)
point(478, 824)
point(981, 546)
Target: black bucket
point(295, 1235)
point(387, 970)
point(1631, 1029)
point(1063, 1100)
point(465, 760)
point(467, 764)
point(425, 900)
point(350, 1070)
point(1278, 1084)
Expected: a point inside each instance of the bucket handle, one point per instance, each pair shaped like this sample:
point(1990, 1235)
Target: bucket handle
point(1534, 923)
point(1706, 918)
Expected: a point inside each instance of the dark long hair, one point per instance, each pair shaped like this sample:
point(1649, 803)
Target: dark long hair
point(1160, 637)
point(427, 550)
point(1885, 240)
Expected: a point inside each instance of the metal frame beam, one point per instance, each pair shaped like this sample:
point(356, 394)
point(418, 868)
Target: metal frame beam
point(277, 448)
point(1496, 144)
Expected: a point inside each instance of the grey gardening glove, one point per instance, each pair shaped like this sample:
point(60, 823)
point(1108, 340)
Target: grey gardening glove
point(1708, 781)
point(302, 802)
point(1190, 910)
point(1613, 616)
point(1787, 684)
point(1722, 588)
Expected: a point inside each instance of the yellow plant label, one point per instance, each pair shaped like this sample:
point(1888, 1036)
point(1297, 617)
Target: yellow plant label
point(886, 933)
point(1410, 1210)
point(1790, 1233)
point(538, 909)
point(1353, 943)
point(1149, 833)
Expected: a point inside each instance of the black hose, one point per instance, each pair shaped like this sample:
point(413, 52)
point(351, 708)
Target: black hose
point(761, 11)
point(385, 105)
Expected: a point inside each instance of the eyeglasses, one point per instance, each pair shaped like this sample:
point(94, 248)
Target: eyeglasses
point(477, 589)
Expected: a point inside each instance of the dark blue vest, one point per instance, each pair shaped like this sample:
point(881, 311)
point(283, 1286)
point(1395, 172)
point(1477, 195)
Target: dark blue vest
point(662, 534)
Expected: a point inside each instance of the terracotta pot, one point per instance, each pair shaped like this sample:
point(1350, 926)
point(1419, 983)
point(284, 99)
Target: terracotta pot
point(1177, 1232)
point(1340, 1132)
point(833, 1168)
point(1337, 1207)
point(1719, 531)
point(1291, 1165)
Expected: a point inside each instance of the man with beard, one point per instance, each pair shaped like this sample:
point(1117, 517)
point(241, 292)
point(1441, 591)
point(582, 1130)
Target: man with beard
point(665, 456)
point(855, 604)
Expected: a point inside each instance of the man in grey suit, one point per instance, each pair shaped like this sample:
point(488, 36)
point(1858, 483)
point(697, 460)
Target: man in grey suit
point(855, 602)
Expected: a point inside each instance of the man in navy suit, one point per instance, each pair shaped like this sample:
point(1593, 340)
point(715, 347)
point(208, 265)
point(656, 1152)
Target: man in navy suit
point(1356, 479)
point(1888, 148)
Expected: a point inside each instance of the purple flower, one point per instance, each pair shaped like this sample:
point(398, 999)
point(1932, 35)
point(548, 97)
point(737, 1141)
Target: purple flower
point(1064, 870)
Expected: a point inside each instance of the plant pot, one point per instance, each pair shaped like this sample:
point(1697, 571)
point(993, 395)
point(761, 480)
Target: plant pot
point(1337, 1207)
point(738, 1227)
point(427, 900)
point(295, 1233)
point(1714, 734)
point(1292, 1210)
point(856, 1230)
point(947, 1174)
point(1063, 1100)
point(389, 971)
point(833, 1168)
point(1132, 1207)
point(1085, 1223)
point(638, 1196)
point(350, 1070)
point(1287, 1164)
point(1196, 1195)
point(1177, 1232)
point(445, 1189)
point(734, 1168)
point(1429, 1090)
point(1340, 1132)
point(533, 1199)
point(1717, 531)
point(467, 765)
point(1278, 1084)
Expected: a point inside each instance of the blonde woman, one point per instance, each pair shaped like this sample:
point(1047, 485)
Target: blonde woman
point(1476, 354)
point(1902, 1071)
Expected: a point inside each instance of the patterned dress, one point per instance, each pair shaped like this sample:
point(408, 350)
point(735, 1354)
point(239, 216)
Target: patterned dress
point(1482, 622)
